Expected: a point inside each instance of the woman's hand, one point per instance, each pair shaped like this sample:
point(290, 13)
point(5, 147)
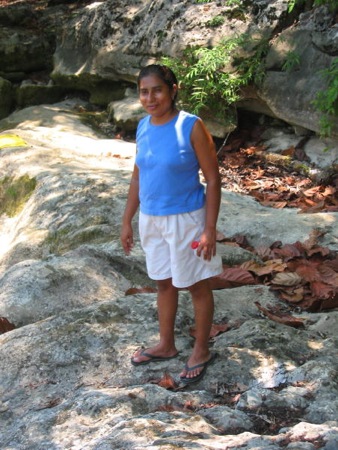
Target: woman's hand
point(127, 234)
point(207, 244)
point(127, 238)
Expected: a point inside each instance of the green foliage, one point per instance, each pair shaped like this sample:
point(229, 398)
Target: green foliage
point(327, 100)
point(292, 61)
point(331, 4)
point(203, 1)
point(292, 4)
point(14, 193)
point(211, 78)
point(215, 21)
point(234, 3)
point(252, 68)
point(238, 9)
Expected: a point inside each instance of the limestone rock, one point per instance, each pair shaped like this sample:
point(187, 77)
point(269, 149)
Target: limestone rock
point(66, 380)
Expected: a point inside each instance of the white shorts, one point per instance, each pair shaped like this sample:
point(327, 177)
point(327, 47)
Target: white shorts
point(167, 240)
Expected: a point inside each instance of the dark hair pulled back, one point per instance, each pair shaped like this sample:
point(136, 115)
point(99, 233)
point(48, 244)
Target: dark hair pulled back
point(162, 72)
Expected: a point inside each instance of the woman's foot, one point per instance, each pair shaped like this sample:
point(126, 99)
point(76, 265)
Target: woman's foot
point(195, 372)
point(154, 354)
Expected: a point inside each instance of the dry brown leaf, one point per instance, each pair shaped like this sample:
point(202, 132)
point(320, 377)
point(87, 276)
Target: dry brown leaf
point(270, 266)
point(322, 290)
point(308, 271)
point(232, 277)
point(218, 328)
point(332, 263)
point(328, 275)
point(331, 302)
point(313, 207)
point(167, 381)
point(286, 279)
point(293, 296)
point(324, 251)
point(5, 325)
point(288, 251)
point(276, 205)
point(289, 151)
point(264, 252)
point(144, 290)
point(285, 319)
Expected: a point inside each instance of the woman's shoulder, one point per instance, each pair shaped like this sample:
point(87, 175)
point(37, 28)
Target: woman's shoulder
point(187, 118)
point(187, 115)
point(143, 122)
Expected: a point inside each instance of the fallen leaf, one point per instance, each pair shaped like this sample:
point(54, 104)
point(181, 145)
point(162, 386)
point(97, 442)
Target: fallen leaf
point(144, 290)
point(283, 318)
point(286, 252)
point(307, 271)
point(322, 290)
point(5, 325)
point(286, 279)
point(293, 296)
point(263, 252)
point(267, 268)
point(328, 275)
point(232, 277)
point(167, 382)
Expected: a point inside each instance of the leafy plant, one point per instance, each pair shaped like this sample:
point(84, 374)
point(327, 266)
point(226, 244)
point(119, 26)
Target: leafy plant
point(331, 4)
point(215, 21)
point(211, 78)
point(327, 100)
point(292, 61)
point(233, 2)
point(292, 4)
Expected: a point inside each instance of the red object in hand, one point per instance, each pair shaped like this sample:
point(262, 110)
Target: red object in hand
point(194, 245)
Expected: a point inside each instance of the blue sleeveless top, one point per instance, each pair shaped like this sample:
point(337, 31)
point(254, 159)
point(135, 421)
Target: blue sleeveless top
point(168, 167)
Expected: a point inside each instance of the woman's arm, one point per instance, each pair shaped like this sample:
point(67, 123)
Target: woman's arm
point(127, 235)
point(207, 157)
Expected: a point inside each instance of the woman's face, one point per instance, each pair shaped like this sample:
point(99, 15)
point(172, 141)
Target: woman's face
point(156, 97)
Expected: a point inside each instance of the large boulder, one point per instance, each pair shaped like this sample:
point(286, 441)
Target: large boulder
point(24, 50)
point(290, 93)
point(35, 94)
point(112, 42)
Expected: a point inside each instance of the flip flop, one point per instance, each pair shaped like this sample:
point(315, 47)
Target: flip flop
point(198, 377)
point(152, 358)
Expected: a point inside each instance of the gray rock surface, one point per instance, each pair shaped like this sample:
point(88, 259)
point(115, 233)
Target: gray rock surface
point(66, 380)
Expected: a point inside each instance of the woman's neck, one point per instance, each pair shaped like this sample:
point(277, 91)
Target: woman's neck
point(161, 120)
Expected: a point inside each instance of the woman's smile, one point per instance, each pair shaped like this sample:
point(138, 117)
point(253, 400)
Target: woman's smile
point(157, 98)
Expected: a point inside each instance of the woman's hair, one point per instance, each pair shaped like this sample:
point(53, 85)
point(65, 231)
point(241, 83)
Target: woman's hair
point(162, 72)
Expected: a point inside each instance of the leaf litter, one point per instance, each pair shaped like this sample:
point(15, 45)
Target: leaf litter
point(304, 275)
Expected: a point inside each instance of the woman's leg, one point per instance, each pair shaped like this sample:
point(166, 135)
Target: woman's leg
point(203, 302)
point(167, 301)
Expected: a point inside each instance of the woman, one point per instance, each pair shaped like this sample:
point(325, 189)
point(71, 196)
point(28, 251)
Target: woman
point(175, 210)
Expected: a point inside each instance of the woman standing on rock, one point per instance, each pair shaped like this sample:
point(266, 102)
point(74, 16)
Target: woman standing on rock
point(175, 211)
